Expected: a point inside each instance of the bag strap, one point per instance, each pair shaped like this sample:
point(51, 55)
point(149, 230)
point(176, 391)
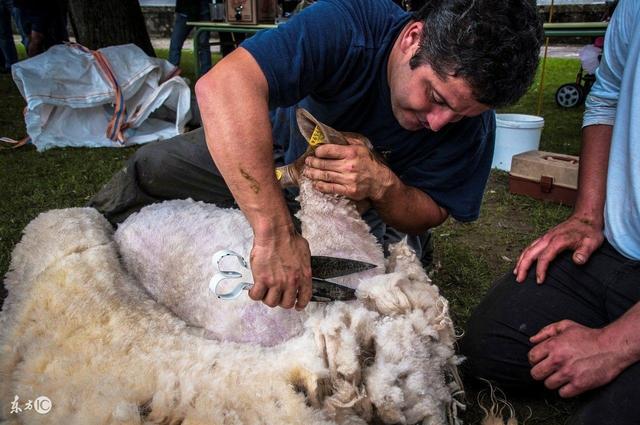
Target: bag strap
point(14, 144)
point(118, 122)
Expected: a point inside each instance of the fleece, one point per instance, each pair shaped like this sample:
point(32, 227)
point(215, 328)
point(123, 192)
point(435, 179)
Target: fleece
point(120, 327)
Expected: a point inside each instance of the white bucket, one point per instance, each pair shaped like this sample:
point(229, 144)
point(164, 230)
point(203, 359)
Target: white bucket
point(515, 133)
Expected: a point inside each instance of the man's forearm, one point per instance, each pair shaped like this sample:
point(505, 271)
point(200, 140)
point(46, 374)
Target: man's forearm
point(594, 160)
point(406, 208)
point(234, 104)
point(623, 334)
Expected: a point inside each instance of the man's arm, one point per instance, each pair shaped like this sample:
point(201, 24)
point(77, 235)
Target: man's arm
point(233, 99)
point(575, 358)
point(406, 208)
point(353, 171)
point(582, 231)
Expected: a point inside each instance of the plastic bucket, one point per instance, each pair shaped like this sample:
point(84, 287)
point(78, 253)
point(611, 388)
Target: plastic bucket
point(515, 133)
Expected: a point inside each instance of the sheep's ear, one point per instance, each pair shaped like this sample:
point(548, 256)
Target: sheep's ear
point(402, 258)
point(315, 132)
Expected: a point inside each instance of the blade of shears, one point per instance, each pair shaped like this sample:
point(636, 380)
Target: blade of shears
point(325, 291)
point(324, 267)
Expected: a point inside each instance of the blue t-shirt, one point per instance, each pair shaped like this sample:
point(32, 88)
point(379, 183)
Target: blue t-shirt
point(331, 59)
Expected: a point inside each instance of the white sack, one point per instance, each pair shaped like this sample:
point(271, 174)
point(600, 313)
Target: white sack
point(70, 101)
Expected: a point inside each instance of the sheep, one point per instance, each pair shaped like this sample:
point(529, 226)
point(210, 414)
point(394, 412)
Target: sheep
point(122, 329)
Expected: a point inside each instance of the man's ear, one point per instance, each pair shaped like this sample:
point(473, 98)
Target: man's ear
point(411, 37)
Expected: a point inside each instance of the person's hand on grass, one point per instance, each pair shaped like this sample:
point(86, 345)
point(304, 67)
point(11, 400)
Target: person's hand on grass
point(573, 358)
point(580, 235)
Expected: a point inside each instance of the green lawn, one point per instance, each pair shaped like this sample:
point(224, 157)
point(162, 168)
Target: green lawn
point(468, 257)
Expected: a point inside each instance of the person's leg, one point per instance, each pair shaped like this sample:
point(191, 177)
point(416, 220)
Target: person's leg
point(7, 46)
point(496, 341)
point(227, 44)
point(57, 23)
point(239, 37)
point(204, 49)
point(23, 26)
point(617, 403)
point(178, 36)
point(176, 168)
point(229, 41)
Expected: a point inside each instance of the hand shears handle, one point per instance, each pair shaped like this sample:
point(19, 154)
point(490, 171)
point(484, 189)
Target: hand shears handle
point(321, 267)
point(245, 276)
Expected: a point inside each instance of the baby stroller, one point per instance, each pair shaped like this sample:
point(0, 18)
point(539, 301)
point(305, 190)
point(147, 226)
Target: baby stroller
point(573, 94)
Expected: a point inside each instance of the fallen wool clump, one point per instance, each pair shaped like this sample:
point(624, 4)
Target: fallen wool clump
point(123, 329)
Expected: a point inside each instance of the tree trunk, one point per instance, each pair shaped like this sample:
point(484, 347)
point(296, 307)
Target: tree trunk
point(110, 22)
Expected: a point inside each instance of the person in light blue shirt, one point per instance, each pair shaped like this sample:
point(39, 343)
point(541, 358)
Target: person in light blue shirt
point(572, 321)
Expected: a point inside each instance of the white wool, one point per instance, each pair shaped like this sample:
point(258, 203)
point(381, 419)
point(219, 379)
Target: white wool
point(124, 330)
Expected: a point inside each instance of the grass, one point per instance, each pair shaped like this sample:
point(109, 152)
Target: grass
point(468, 257)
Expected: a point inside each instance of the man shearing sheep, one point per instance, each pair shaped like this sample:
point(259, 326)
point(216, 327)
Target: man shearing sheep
point(420, 87)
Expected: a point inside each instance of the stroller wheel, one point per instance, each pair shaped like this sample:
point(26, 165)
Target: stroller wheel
point(569, 95)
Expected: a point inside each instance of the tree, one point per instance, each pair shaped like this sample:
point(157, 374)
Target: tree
point(109, 22)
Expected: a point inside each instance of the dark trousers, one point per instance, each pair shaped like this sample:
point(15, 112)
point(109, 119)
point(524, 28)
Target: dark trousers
point(496, 341)
point(181, 168)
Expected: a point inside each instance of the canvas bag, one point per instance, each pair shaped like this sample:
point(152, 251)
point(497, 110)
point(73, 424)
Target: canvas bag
point(112, 97)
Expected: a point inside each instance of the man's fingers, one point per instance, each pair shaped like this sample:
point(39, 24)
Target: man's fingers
point(555, 246)
point(304, 296)
point(556, 380)
point(569, 390)
point(324, 175)
point(331, 151)
point(537, 354)
point(584, 251)
point(541, 268)
point(542, 370)
point(289, 297)
point(550, 330)
point(544, 333)
point(334, 188)
point(319, 164)
point(257, 292)
point(273, 297)
point(526, 259)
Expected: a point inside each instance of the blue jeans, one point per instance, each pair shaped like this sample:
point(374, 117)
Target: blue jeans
point(23, 25)
point(8, 53)
point(180, 33)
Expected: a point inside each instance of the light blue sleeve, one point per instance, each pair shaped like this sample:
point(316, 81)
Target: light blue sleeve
point(602, 101)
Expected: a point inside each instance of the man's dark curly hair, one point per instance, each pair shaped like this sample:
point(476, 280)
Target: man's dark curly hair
point(492, 44)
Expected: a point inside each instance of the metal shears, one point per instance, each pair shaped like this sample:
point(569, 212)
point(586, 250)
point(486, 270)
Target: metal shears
point(322, 268)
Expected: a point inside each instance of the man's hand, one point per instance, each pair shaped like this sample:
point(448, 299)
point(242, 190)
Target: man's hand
point(281, 269)
point(352, 171)
point(574, 358)
point(581, 235)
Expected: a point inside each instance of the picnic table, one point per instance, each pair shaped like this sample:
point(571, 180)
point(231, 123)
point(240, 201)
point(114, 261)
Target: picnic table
point(575, 29)
point(560, 29)
point(207, 26)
